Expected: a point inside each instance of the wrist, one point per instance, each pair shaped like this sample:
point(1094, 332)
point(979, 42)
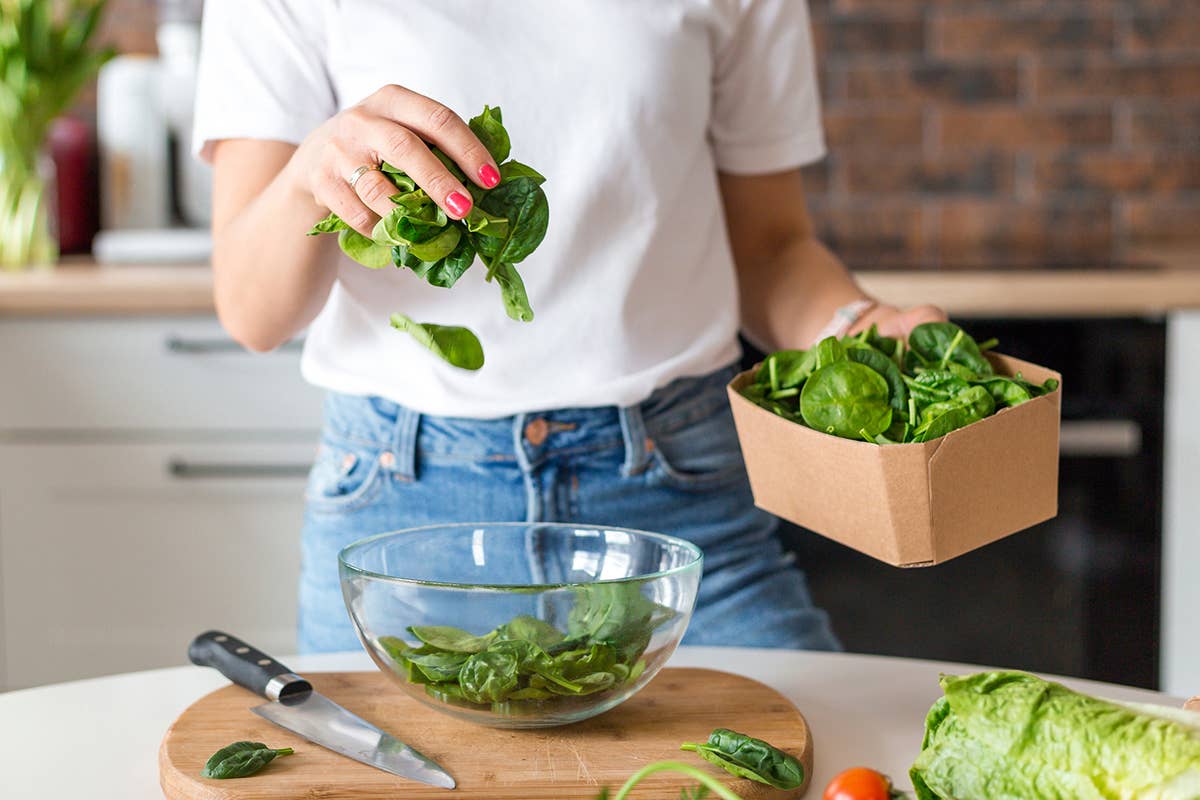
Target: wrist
point(847, 317)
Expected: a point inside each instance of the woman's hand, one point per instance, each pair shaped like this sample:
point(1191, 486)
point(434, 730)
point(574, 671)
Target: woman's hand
point(393, 125)
point(896, 322)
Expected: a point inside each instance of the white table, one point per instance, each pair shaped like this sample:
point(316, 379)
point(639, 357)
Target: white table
point(98, 739)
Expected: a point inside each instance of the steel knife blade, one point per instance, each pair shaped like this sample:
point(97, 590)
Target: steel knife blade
point(296, 706)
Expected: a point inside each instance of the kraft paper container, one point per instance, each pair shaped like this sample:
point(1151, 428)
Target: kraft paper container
point(911, 505)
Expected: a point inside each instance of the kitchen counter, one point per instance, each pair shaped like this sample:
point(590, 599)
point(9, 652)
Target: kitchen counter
point(79, 286)
point(863, 710)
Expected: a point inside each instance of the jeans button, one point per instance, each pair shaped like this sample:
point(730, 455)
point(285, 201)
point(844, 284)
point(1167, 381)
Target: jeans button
point(536, 431)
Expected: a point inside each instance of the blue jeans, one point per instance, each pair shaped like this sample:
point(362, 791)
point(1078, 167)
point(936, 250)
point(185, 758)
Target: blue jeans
point(671, 464)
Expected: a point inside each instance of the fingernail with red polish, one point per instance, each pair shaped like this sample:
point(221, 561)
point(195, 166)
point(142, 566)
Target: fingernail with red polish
point(489, 176)
point(458, 203)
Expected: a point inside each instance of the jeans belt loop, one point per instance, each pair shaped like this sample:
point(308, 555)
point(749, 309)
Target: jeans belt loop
point(633, 431)
point(404, 443)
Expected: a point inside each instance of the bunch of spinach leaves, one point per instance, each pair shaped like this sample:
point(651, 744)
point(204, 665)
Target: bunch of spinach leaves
point(878, 389)
point(527, 660)
point(505, 224)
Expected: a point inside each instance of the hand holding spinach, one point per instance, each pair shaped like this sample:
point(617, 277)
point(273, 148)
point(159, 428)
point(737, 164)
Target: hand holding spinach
point(504, 225)
point(877, 389)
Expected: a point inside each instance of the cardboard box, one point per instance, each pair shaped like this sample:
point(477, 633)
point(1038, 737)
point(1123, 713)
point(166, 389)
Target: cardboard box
point(910, 505)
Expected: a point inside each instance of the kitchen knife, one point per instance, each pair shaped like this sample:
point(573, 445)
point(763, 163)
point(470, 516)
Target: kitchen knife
point(295, 705)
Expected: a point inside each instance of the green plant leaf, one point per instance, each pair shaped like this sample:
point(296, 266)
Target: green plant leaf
point(363, 250)
point(240, 760)
point(940, 342)
point(878, 361)
point(330, 224)
point(523, 203)
point(515, 169)
point(512, 292)
point(845, 398)
point(488, 677)
point(489, 129)
point(747, 757)
point(453, 344)
point(454, 640)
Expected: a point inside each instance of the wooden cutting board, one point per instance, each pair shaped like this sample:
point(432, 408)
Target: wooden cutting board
point(565, 763)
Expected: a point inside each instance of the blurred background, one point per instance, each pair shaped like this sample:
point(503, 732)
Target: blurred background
point(1032, 165)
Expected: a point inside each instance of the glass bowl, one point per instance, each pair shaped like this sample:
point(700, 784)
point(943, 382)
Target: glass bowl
point(520, 625)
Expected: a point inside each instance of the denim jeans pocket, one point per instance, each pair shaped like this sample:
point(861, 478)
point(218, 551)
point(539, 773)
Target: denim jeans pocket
point(702, 455)
point(345, 476)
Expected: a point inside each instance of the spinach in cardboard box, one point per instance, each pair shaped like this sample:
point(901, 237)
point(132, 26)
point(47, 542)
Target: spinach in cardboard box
point(888, 391)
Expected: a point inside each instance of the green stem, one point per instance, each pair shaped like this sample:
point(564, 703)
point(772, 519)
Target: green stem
point(284, 751)
point(713, 785)
point(953, 346)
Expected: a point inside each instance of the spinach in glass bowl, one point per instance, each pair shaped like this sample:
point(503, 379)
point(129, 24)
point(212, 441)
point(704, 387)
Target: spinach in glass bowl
point(521, 625)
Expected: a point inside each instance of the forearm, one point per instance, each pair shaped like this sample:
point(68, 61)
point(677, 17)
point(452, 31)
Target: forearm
point(793, 293)
point(269, 279)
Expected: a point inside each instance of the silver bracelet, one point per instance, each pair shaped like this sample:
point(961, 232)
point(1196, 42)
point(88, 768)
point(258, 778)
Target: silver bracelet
point(844, 318)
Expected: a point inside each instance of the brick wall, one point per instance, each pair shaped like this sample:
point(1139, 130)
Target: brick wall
point(969, 132)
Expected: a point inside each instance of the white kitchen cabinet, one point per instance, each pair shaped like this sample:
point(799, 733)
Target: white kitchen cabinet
point(151, 487)
point(146, 374)
point(116, 555)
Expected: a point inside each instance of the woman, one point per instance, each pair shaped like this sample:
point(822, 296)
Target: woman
point(671, 133)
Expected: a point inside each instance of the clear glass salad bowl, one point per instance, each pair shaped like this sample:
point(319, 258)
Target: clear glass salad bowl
point(520, 625)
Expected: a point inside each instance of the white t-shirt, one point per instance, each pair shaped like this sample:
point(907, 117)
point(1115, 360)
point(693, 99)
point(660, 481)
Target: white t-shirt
point(628, 107)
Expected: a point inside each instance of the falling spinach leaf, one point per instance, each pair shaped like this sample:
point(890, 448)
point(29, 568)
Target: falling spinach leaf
point(451, 343)
point(747, 757)
point(241, 759)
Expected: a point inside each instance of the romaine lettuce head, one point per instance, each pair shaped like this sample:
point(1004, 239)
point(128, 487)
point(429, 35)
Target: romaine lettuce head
point(1002, 735)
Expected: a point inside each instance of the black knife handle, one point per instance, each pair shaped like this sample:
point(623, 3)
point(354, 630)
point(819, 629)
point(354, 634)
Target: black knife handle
point(245, 665)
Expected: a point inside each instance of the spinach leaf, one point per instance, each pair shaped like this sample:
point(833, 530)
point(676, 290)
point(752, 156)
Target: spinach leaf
point(828, 351)
point(453, 344)
point(454, 640)
point(512, 292)
point(440, 666)
point(938, 343)
point(515, 169)
point(530, 629)
point(878, 361)
point(241, 759)
point(488, 677)
point(846, 398)
point(523, 203)
point(331, 224)
point(970, 405)
point(489, 129)
point(1006, 391)
point(747, 757)
point(363, 250)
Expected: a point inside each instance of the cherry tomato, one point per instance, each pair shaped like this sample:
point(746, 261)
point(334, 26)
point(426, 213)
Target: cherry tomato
point(858, 783)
